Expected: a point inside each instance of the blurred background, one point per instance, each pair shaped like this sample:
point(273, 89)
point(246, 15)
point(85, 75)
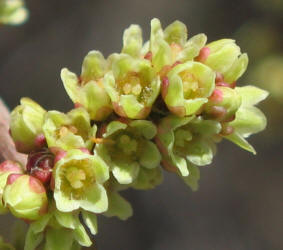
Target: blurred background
point(239, 203)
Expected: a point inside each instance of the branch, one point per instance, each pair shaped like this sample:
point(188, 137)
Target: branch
point(7, 146)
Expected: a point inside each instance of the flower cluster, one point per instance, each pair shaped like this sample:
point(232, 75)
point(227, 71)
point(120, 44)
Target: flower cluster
point(12, 12)
point(162, 104)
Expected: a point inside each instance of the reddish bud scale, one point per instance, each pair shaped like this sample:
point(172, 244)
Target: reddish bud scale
point(12, 178)
point(217, 96)
point(148, 56)
point(77, 105)
point(40, 141)
point(85, 150)
point(61, 154)
point(35, 185)
point(175, 64)
point(203, 55)
point(223, 84)
point(164, 87)
point(219, 77)
point(217, 112)
point(40, 165)
point(226, 130)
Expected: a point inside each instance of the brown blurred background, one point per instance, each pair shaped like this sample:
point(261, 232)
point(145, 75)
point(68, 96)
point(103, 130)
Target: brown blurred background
point(239, 203)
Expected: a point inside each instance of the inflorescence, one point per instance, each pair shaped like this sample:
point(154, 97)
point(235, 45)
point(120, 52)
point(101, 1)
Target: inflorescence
point(159, 105)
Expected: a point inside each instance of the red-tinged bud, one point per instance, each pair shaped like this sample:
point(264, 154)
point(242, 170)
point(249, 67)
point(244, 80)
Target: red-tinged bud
point(77, 105)
point(217, 96)
point(222, 104)
point(219, 77)
point(40, 141)
point(233, 85)
point(164, 87)
point(25, 196)
point(217, 112)
point(40, 164)
point(7, 168)
point(61, 154)
point(148, 56)
point(12, 178)
point(175, 64)
point(226, 130)
point(223, 84)
point(85, 150)
point(203, 54)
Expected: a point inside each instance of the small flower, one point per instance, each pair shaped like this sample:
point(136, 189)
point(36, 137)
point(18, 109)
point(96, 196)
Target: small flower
point(132, 86)
point(68, 131)
point(187, 87)
point(249, 119)
point(12, 12)
point(223, 104)
point(25, 196)
point(7, 168)
point(126, 148)
point(26, 125)
point(171, 45)
point(225, 57)
point(186, 142)
point(88, 90)
point(78, 182)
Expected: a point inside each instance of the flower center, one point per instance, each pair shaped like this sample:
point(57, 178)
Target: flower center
point(64, 130)
point(76, 177)
point(182, 136)
point(127, 144)
point(190, 84)
point(131, 84)
point(175, 50)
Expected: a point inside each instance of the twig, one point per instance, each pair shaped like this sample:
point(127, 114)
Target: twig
point(7, 146)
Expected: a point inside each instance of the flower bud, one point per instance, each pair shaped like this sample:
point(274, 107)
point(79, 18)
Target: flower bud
point(88, 90)
point(223, 104)
point(224, 56)
point(26, 125)
point(25, 197)
point(40, 164)
point(12, 12)
point(7, 168)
